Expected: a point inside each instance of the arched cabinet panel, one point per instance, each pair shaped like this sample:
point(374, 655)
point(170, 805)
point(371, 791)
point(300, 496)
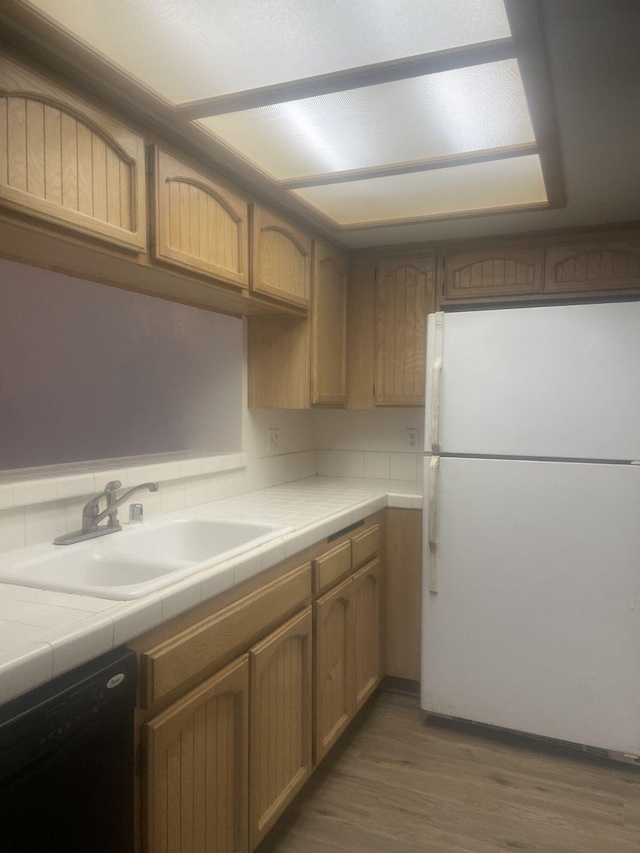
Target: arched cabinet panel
point(281, 259)
point(404, 296)
point(502, 272)
point(199, 225)
point(599, 265)
point(64, 162)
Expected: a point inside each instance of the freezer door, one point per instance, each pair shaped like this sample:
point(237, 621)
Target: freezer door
point(535, 624)
point(555, 381)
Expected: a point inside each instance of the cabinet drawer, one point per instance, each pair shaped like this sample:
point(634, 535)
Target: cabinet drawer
point(225, 633)
point(365, 545)
point(331, 567)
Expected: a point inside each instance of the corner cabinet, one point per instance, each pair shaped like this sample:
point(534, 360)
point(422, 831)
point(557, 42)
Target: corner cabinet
point(65, 162)
point(281, 259)
point(329, 326)
point(295, 362)
point(199, 225)
point(404, 296)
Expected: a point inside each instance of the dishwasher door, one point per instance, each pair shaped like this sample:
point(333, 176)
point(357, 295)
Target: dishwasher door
point(67, 761)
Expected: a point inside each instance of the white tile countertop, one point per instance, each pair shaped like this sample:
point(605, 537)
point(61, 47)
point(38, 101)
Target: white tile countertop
point(43, 633)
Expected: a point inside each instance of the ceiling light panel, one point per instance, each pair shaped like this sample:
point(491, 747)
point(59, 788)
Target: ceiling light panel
point(437, 115)
point(476, 187)
point(196, 49)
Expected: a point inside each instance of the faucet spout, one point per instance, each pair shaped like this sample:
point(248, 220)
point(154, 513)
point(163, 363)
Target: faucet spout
point(111, 509)
point(92, 515)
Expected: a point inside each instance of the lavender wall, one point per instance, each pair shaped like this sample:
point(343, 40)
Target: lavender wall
point(92, 372)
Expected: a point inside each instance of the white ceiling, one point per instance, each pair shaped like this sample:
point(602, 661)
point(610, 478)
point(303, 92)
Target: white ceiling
point(594, 55)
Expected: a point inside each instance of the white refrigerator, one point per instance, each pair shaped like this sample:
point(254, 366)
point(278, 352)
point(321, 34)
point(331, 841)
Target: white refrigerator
point(531, 553)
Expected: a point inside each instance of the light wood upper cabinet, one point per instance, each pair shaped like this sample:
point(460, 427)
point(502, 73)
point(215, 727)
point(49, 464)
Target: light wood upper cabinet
point(281, 259)
point(329, 326)
point(404, 295)
point(498, 272)
point(367, 597)
point(199, 225)
point(280, 728)
point(197, 788)
point(334, 653)
point(65, 162)
point(605, 264)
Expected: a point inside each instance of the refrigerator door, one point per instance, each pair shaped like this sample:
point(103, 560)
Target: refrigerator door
point(550, 382)
point(535, 624)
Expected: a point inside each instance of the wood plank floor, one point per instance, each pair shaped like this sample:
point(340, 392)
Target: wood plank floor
point(396, 785)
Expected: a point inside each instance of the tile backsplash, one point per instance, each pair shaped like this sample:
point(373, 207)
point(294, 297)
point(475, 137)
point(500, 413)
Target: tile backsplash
point(35, 509)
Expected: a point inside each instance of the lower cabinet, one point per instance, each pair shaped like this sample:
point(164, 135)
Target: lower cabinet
point(348, 660)
point(197, 773)
point(334, 659)
point(367, 597)
point(219, 764)
point(280, 737)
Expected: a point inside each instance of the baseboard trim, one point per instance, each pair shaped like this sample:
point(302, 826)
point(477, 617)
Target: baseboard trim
point(400, 685)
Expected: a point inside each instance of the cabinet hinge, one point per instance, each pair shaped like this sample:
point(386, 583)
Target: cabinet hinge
point(149, 161)
point(141, 760)
point(151, 234)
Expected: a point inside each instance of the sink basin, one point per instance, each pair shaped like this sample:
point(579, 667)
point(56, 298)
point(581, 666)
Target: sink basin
point(137, 560)
point(194, 539)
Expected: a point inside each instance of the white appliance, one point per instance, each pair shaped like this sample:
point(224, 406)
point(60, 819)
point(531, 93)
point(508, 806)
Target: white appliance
point(531, 587)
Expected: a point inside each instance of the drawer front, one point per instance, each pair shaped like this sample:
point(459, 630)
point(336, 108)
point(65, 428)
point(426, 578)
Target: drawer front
point(228, 632)
point(365, 546)
point(331, 567)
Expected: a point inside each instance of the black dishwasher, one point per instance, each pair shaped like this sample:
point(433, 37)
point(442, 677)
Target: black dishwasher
point(66, 761)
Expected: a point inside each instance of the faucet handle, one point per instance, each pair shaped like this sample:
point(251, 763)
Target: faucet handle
point(113, 485)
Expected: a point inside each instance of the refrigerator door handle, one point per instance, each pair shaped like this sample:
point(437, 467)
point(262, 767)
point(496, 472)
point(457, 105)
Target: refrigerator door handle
point(436, 375)
point(432, 534)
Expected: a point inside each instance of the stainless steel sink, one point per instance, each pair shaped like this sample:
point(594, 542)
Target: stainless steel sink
point(137, 560)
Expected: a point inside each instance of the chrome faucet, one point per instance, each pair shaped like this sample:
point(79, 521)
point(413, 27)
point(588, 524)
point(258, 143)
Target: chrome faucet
point(92, 515)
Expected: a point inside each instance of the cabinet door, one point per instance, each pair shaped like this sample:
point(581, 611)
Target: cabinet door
point(609, 264)
point(199, 225)
point(504, 272)
point(197, 768)
point(281, 259)
point(334, 653)
point(65, 162)
point(329, 327)
point(404, 295)
point(280, 736)
point(367, 598)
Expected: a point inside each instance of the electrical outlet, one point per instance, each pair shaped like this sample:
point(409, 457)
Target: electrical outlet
point(273, 441)
point(411, 439)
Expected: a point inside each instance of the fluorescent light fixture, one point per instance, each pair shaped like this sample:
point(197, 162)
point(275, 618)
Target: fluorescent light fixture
point(192, 49)
point(437, 115)
point(494, 185)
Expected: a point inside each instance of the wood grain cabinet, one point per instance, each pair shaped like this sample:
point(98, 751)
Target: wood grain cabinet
point(329, 326)
point(367, 598)
point(404, 296)
point(281, 259)
point(280, 728)
point(65, 162)
point(597, 265)
point(197, 773)
point(334, 659)
point(199, 225)
point(295, 362)
point(497, 272)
